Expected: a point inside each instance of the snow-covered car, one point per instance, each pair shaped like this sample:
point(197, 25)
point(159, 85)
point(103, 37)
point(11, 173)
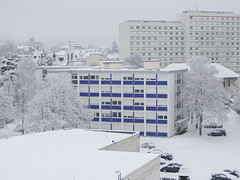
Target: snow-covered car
point(183, 173)
point(147, 145)
point(163, 161)
point(226, 175)
point(213, 125)
point(164, 155)
point(170, 168)
point(220, 176)
point(19, 128)
point(232, 172)
point(217, 132)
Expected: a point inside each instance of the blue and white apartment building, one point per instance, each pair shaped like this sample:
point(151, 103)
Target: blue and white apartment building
point(145, 100)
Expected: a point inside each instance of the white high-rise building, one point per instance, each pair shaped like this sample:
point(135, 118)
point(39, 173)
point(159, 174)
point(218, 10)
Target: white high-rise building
point(153, 40)
point(211, 34)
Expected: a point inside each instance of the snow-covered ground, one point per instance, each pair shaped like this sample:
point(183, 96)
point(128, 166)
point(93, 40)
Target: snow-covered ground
point(204, 155)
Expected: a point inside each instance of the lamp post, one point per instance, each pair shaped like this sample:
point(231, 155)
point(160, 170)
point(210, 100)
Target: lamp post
point(119, 175)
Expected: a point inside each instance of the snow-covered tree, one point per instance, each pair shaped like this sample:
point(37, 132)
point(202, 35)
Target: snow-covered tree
point(8, 47)
point(203, 93)
point(236, 99)
point(56, 105)
point(134, 60)
point(7, 111)
point(114, 48)
point(24, 84)
point(45, 61)
point(9, 64)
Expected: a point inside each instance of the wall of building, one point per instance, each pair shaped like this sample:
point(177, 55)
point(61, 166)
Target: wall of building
point(148, 171)
point(130, 144)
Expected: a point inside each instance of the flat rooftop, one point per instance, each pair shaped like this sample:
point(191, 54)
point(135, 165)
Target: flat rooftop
point(67, 154)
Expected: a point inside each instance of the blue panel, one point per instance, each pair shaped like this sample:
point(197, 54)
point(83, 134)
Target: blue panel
point(116, 82)
point(94, 106)
point(94, 82)
point(141, 133)
point(94, 94)
point(128, 107)
point(83, 81)
point(83, 94)
point(139, 82)
point(151, 108)
point(116, 94)
point(106, 119)
point(138, 107)
point(162, 95)
point(95, 119)
point(162, 82)
point(162, 134)
point(151, 121)
point(162, 121)
point(139, 120)
point(127, 95)
point(150, 82)
point(128, 82)
point(105, 94)
point(151, 133)
point(116, 107)
point(116, 119)
point(162, 108)
point(105, 82)
point(128, 120)
point(138, 95)
point(106, 107)
point(151, 95)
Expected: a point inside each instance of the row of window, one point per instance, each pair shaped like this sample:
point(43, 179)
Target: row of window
point(213, 18)
point(154, 38)
point(151, 43)
point(119, 115)
point(157, 27)
point(213, 28)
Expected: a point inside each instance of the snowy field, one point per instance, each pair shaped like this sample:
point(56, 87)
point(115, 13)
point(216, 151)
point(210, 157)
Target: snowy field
point(204, 155)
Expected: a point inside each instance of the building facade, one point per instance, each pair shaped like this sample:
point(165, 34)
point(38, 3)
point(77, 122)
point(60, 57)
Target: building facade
point(141, 100)
point(211, 34)
point(153, 40)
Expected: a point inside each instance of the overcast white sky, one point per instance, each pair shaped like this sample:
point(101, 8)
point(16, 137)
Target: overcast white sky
point(90, 21)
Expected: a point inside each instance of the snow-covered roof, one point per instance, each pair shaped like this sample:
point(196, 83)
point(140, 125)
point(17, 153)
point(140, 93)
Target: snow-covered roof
point(67, 154)
point(224, 72)
point(176, 66)
point(61, 53)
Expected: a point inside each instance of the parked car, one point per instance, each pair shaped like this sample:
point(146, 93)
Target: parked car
point(147, 145)
point(164, 155)
point(163, 161)
point(232, 172)
point(220, 176)
point(175, 164)
point(183, 173)
point(170, 168)
point(213, 125)
point(217, 132)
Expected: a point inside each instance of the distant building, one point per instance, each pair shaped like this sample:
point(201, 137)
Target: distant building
point(212, 34)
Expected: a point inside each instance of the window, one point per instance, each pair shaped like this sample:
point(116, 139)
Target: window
point(116, 114)
point(138, 91)
point(139, 103)
point(114, 103)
